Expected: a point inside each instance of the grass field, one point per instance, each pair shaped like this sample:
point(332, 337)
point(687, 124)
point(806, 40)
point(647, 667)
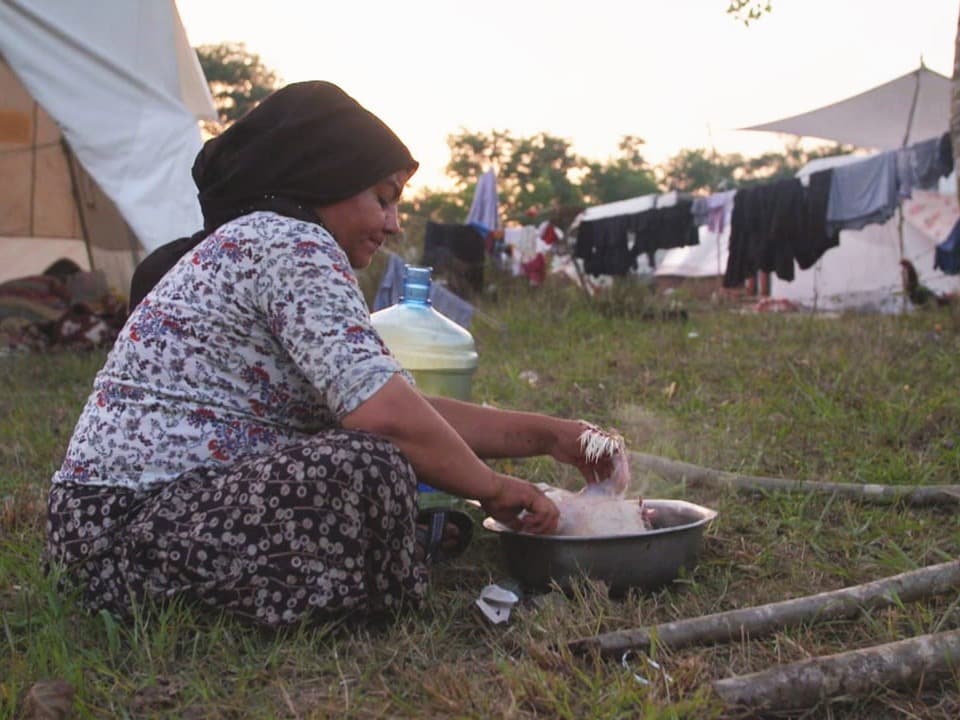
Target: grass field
point(860, 399)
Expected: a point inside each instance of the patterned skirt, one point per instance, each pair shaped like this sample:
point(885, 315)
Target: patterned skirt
point(322, 529)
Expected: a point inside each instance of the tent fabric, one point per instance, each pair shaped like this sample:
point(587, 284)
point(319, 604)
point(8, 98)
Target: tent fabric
point(45, 190)
point(631, 206)
point(880, 117)
point(119, 80)
point(707, 259)
point(863, 272)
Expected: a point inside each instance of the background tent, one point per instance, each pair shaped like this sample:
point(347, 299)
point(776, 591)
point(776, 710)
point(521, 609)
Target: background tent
point(905, 110)
point(697, 268)
point(99, 103)
point(864, 271)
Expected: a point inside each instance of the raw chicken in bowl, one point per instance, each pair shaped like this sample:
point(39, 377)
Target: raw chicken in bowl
point(600, 508)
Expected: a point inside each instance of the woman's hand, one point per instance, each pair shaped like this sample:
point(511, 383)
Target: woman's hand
point(514, 496)
point(568, 449)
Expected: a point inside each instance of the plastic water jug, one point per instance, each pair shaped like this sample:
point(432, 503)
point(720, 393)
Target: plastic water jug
point(439, 354)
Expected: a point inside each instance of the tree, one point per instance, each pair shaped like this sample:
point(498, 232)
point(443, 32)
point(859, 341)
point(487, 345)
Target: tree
point(749, 10)
point(533, 173)
point(538, 175)
point(438, 205)
point(238, 79)
point(700, 171)
point(623, 177)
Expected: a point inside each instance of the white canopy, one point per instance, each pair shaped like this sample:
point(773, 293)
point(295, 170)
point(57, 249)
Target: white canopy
point(119, 80)
point(910, 108)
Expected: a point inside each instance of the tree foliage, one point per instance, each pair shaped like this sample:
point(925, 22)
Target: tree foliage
point(238, 79)
point(699, 171)
point(533, 173)
point(540, 176)
point(747, 11)
point(625, 176)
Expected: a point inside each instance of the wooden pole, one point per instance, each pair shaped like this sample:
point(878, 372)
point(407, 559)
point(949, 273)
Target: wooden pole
point(916, 495)
point(735, 625)
point(855, 673)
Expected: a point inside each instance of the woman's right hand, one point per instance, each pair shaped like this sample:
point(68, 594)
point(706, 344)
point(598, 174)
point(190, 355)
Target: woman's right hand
point(515, 496)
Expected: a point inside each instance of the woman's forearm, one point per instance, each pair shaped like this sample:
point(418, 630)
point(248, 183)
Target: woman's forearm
point(439, 455)
point(494, 433)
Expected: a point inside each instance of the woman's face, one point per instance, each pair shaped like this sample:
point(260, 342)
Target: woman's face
point(361, 224)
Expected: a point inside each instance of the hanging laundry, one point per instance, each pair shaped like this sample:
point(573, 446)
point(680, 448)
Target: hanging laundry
point(483, 210)
point(604, 247)
point(767, 228)
point(863, 192)
point(816, 239)
point(521, 243)
point(611, 245)
point(700, 209)
point(457, 252)
point(931, 212)
point(719, 210)
point(922, 164)
point(667, 227)
point(549, 233)
point(947, 255)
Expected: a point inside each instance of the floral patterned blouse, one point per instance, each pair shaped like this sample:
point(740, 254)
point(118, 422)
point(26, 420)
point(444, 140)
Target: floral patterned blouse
point(257, 338)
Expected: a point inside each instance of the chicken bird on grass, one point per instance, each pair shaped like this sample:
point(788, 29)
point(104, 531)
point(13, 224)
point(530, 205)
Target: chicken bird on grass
point(918, 293)
point(600, 508)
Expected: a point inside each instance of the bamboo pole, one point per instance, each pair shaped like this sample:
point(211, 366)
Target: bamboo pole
point(760, 620)
point(855, 673)
point(916, 495)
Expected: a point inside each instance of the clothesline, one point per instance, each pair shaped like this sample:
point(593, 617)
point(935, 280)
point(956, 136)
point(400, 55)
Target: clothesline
point(773, 226)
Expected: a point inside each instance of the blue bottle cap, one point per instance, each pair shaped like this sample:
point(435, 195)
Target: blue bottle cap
point(416, 285)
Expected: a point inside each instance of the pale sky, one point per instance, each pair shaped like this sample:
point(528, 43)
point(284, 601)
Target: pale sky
point(677, 73)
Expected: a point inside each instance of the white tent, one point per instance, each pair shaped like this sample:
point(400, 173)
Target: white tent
point(708, 259)
point(99, 102)
point(905, 110)
point(630, 206)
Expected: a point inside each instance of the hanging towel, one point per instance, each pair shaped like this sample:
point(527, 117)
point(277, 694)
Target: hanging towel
point(767, 230)
point(611, 245)
point(719, 210)
point(816, 240)
point(922, 164)
point(863, 193)
point(483, 210)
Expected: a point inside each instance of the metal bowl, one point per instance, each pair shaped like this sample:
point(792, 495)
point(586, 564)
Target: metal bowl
point(646, 561)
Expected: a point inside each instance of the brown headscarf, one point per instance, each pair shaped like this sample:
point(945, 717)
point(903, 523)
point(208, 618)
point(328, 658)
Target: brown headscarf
point(305, 145)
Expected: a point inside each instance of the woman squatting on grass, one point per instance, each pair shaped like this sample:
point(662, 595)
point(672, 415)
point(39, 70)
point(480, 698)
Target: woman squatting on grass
point(250, 443)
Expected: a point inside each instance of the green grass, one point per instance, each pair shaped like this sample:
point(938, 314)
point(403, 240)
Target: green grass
point(852, 398)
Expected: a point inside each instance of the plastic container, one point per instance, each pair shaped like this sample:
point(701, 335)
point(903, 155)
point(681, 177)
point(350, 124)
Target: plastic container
point(439, 354)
